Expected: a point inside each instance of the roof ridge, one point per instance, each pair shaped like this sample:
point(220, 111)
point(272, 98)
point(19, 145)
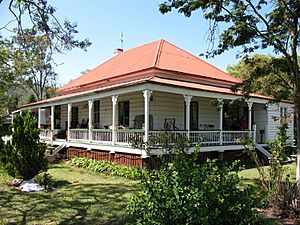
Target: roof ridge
point(200, 59)
point(158, 52)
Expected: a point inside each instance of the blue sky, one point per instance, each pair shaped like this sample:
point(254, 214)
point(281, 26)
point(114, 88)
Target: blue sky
point(139, 20)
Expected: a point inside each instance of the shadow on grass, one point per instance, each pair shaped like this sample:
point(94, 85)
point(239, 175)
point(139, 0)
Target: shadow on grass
point(67, 204)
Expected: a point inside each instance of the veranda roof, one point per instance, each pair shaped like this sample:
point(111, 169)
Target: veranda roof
point(153, 80)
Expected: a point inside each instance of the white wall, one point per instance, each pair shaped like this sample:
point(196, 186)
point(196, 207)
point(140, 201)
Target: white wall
point(208, 113)
point(290, 131)
point(64, 116)
point(273, 112)
point(166, 105)
point(83, 113)
point(105, 112)
point(261, 121)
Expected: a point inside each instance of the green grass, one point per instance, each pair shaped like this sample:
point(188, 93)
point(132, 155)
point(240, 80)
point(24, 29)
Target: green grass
point(96, 198)
point(251, 176)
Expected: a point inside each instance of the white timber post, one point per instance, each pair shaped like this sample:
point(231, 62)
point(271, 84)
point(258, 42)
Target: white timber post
point(254, 132)
point(187, 99)
point(250, 116)
point(91, 104)
point(114, 100)
point(147, 94)
point(69, 121)
point(52, 121)
point(12, 120)
point(39, 118)
point(220, 105)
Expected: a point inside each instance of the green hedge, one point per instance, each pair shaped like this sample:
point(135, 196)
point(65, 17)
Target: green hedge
point(108, 167)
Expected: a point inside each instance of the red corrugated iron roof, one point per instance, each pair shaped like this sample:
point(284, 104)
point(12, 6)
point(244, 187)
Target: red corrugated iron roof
point(160, 55)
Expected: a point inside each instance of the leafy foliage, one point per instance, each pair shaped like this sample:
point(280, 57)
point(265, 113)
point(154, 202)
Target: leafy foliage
point(108, 167)
point(263, 74)
point(288, 200)
point(251, 25)
point(24, 156)
point(28, 57)
point(282, 193)
point(8, 80)
point(184, 192)
point(41, 16)
point(35, 64)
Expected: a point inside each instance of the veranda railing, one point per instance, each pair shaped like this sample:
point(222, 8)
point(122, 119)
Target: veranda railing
point(125, 136)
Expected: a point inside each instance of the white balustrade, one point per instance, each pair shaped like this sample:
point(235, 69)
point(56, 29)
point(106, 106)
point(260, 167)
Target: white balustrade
point(79, 134)
point(205, 137)
point(45, 134)
point(126, 136)
point(231, 137)
point(101, 136)
point(177, 134)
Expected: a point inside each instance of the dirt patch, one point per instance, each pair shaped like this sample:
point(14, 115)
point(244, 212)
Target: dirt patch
point(275, 214)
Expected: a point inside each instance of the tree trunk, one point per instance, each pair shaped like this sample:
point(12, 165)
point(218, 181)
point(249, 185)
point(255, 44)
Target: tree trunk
point(297, 115)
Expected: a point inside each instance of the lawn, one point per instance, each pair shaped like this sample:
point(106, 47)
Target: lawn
point(251, 176)
point(79, 197)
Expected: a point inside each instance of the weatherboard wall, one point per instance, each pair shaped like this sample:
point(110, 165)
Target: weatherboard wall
point(260, 119)
point(273, 112)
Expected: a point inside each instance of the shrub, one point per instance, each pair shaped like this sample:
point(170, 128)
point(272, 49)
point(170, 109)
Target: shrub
point(288, 200)
point(184, 192)
point(24, 156)
point(108, 167)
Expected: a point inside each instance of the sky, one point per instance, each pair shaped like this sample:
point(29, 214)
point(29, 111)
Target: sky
point(140, 21)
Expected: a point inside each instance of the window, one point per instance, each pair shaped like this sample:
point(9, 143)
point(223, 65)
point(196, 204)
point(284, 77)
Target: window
point(283, 114)
point(124, 113)
point(74, 121)
point(57, 117)
point(231, 119)
point(96, 119)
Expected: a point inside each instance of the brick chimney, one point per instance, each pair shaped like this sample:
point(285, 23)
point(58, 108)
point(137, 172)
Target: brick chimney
point(118, 51)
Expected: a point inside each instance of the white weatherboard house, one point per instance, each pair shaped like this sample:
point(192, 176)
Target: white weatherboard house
point(140, 92)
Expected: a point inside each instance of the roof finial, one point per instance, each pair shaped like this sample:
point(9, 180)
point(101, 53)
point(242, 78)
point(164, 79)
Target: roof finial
point(122, 40)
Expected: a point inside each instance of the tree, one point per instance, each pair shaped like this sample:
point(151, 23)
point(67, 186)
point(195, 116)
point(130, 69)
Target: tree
point(9, 82)
point(264, 74)
point(35, 64)
point(24, 156)
point(42, 18)
point(252, 25)
point(31, 99)
point(60, 36)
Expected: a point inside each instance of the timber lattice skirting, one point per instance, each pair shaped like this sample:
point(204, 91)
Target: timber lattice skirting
point(133, 160)
point(118, 158)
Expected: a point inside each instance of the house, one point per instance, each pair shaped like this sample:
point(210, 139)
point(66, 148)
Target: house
point(142, 91)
